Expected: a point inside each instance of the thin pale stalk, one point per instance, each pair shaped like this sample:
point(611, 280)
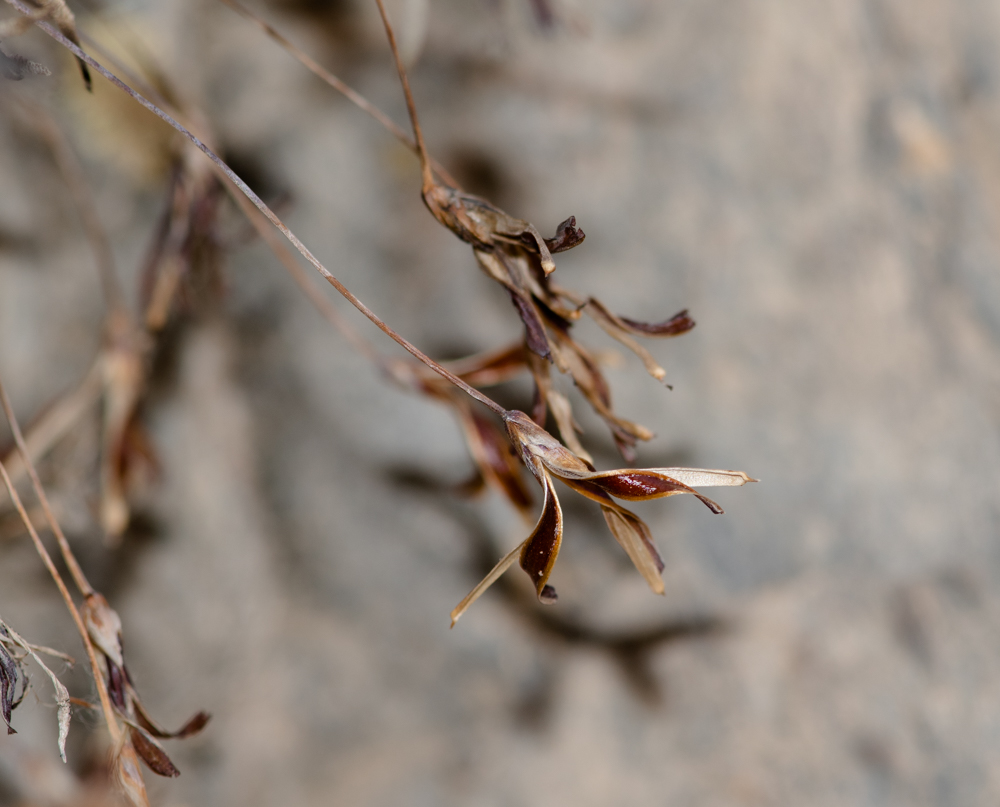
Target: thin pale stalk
point(83, 200)
point(411, 107)
point(263, 208)
point(74, 568)
point(346, 90)
point(102, 690)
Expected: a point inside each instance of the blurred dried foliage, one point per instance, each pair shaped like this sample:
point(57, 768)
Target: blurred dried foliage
point(282, 529)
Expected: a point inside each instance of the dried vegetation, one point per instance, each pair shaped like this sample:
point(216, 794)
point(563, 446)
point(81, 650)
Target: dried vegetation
point(183, 270)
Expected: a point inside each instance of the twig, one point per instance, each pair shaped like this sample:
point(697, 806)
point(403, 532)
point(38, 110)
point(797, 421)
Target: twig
point(425, 167)
point(347, 91)
point(83, 199)
point(263, 208)
point(102, 690)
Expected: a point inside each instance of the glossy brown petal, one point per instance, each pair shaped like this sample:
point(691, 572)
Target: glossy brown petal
point(152, 753)
point(539, 553)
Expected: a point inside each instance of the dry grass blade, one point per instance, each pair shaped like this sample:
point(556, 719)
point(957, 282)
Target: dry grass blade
point(346, 90)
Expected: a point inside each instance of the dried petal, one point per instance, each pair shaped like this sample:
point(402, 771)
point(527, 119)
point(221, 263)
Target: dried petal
point(504, 564)
point(619, 328)
point(496, 462)
point(126, 765)
point(490, 368)
point(152, 753)
point(540, 551)
point(192, 727)
point(632, 533)
point(567, 236)
point(679, 323)
point(483, 225)
point(539, 448)
point(104, 626)
point(563, 414)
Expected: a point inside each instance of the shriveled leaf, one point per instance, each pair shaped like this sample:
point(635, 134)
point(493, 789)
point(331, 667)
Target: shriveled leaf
point(539, 553)
point(567, 236)
point(61, 693)
point(8, 684)
point(679, 323)
point(192, 727)
point(15, 67)
point(504, 564)
point(152, 753)
point(634, 537)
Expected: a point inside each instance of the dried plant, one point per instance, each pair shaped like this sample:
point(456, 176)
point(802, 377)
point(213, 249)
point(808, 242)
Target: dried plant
point(510, 251)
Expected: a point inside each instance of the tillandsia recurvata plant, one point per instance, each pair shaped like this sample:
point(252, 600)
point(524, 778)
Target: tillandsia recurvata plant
point(511, 251)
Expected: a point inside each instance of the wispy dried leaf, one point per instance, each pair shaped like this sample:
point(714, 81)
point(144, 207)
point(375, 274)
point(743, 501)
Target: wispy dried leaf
point(8, 683)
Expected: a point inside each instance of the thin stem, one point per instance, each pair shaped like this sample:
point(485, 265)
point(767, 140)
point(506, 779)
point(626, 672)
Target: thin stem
point(347, 91)
point(425, 168)
point(83, 199)
point(74, 568)
point(102, 690)
point(263, 208)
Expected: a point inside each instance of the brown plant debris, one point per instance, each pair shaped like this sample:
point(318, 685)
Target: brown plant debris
point(105, 629)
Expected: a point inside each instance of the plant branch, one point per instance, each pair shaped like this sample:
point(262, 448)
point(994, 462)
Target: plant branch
point(346, 90)
point(263, 208)
point(102, 690)
point(425, 167)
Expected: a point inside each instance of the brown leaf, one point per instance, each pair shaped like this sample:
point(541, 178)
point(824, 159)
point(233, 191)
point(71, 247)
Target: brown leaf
point(152, 753)
point(539, 553)
point(192, 727)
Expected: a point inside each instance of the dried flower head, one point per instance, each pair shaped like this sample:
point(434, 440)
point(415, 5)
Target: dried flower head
point(547, 459)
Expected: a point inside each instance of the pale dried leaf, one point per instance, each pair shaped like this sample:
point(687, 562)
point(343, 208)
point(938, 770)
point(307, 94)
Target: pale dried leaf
point(505, 563)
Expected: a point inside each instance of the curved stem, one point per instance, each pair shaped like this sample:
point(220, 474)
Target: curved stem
point(263, 208)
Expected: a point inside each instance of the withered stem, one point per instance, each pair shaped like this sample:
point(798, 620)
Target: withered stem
point(425, 168)
point(263, 208)
point(83, 200)
point(102, 690)
point(346, 90)
point(74, 568)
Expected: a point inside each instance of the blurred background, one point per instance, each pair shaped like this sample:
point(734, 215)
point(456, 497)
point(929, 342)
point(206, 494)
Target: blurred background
point(819, 183)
